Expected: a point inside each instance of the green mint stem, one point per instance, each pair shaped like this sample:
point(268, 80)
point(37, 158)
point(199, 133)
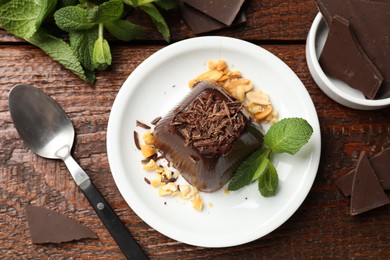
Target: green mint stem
point(101, 27)
point(264, 157)
point(141, 2)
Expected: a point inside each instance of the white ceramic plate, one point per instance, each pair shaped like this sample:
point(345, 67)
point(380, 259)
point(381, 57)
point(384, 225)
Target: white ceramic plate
point(156, 86)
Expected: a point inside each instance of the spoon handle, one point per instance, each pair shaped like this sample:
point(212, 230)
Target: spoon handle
point(115, 226)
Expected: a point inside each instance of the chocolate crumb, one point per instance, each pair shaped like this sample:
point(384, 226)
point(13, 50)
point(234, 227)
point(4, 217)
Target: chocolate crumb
point(143, 125)
point(165, 203)
point(147, 180)
point(155, 121)
point(136, 140)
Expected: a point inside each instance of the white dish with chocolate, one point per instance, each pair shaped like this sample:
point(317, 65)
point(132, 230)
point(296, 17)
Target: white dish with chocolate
point(154, 89)
point(334, 88)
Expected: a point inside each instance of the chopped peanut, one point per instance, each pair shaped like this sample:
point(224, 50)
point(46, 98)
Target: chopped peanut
point(258, 98)
point(147, 150)
point(148, 138)
point(156, 182)
point(264, 114)
point(184, 190)
point(168, 189)
point(151, 166)
point(221, 65)
point(197, 203)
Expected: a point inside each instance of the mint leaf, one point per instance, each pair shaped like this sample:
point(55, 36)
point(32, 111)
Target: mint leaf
point(244, 175)
point(288, 135)
point(268, 182)
point(158, 20)
point(60, 51)
point(72, 18)
point(98, 2)
point(108, 11)
point(63, 3)
point(263, 167)
point(124, 30)
point(166, 4)
point(23, 17)
point(4, 2)
point(101, 54)
point(82, 43)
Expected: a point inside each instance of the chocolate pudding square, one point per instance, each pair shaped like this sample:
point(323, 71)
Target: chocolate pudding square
point(207, 136)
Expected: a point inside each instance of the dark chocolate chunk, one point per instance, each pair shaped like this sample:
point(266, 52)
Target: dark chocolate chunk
point(155, 121)
point(343, 58)
point(143, 125)
point(224, 11)
point(47, 226)
point(201, 23)
point(209, 148)
point(370, 20)
point(344, 183)
point(136, 140)
point(381, 165)
point(367, 193)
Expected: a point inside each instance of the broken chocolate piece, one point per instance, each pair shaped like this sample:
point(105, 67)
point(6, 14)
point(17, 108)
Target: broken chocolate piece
point(367, 193)
point(201, 23)
point(381, 165)
point(224, 11)
point(370, 20)
point(47, 226)
point(207, 136)
point(343, 58)
point(344, 183)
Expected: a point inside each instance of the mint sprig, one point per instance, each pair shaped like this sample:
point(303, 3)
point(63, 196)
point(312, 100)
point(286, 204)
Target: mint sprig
point(286, 136)
point(86, 22)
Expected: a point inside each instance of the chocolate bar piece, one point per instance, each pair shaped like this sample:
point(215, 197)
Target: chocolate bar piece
point(343, 58)
point(381, 165)
point(207, 136)
point(370, 20)
point(367, 193)
point(47, 226)
point(201, 23)
point(224, 11)
point(344, 183)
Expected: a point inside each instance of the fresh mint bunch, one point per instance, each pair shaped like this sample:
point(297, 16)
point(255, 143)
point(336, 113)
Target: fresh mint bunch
point(285, 136)
point(86, 22)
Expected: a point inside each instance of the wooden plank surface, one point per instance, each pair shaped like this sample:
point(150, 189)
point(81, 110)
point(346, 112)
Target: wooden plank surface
point(321, 227)
point(264, 20)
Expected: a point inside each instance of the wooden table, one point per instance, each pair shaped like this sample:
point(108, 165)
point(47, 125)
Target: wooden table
point(321, 227)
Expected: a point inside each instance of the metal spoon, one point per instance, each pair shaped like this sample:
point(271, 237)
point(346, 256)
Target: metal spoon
point(48, 131)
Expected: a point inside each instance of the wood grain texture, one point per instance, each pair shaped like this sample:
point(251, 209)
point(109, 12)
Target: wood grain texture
point(321, 227)
point(265, 19)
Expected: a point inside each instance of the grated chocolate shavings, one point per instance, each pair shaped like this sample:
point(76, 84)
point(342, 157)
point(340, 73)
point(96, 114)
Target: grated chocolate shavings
point(211, 123)
point(147, 180)
point(146, 160)
point(136, 140)
point(156, 120)
point(143, 125)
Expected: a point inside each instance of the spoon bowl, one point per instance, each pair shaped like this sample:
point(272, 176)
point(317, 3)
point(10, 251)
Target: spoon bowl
point(41, 122)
